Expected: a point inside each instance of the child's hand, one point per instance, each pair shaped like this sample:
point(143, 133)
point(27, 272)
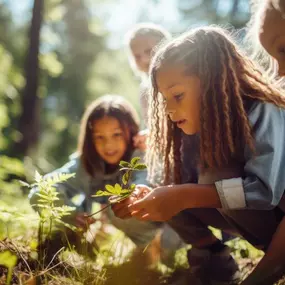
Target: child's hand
point(140, 140)
point(121, 209)
point(83, 222)
point(160, 204)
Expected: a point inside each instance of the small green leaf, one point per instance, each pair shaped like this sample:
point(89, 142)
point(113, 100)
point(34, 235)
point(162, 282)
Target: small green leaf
point(126, 178)
point(133, 186)
point(102, 193)
point(140, 166)
point(124, 163)
point(45, 197)
point(135, 160)
point(118, 188)
point(8, 259)
point(110, 188)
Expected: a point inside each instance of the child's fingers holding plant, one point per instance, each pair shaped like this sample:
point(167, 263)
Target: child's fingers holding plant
point(121, 208)
point(158, 205)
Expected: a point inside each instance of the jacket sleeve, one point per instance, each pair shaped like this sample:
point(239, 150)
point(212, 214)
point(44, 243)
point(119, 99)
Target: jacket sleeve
point(72, 192)
point(263, 183)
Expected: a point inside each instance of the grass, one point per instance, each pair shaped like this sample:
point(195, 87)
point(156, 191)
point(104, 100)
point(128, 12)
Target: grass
point(117, 262)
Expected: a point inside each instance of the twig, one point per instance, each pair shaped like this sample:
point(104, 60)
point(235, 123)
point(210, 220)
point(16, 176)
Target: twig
point(97, 212)
point(108, 205)
point(23, 259)
point(53, 258)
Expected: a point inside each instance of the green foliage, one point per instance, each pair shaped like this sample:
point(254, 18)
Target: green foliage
point(50, 214)
point(10, 166)
point(8, 260)
point(8, 213)
point(125, 189)
point(48, 197)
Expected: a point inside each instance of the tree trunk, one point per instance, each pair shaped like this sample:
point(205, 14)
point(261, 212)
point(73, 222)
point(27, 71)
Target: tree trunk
point(28, 124)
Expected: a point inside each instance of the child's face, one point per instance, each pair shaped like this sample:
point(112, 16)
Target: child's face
point(141, 47)
point(182, 97)
point(272, 33)
point(109, 140)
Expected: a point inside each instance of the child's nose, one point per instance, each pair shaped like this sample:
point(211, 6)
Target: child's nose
point(108, 143)
point(169, 109)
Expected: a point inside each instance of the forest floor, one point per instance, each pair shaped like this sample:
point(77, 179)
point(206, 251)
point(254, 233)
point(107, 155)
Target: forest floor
point(115, 263)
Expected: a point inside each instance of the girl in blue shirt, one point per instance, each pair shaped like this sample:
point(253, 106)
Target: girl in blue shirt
point(205, 87)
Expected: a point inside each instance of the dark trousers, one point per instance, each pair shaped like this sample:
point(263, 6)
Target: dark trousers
point(257, 227)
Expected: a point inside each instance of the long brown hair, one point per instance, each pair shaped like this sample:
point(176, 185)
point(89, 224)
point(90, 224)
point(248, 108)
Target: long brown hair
point(112, 106)
point(229, 80)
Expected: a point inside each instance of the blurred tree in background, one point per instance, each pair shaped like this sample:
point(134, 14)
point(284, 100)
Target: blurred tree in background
point(81, 56)
point(28, 121)
point(233, 12)
point(69, 21)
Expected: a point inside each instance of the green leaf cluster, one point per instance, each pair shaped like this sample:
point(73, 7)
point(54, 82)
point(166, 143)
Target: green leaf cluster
point(9, 260)
point(49, 196)
point(49, 212)
point(126, 188)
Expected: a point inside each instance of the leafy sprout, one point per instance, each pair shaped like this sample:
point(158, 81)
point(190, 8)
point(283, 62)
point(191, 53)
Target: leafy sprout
point(125, 189)
point(9, 260)
point(51, 213)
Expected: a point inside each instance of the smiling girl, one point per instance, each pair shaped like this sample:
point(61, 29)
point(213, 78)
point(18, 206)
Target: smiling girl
point(106, 137)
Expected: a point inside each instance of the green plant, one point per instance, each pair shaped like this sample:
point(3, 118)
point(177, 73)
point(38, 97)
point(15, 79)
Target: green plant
point(121, 191)
point(8, 260)
point(124, 189)
point(50, 214)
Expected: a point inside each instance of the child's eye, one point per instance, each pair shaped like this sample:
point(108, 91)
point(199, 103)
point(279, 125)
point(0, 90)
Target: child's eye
point(178, 97)
point(118, 135)
point(97, 138)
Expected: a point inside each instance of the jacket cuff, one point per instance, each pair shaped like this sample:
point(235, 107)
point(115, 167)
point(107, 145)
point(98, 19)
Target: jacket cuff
point(231, 193)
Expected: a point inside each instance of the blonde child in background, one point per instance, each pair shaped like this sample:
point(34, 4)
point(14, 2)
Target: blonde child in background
point(142, 41)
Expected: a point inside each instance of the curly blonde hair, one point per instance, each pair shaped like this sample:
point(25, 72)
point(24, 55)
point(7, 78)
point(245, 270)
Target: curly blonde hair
point(230, 82)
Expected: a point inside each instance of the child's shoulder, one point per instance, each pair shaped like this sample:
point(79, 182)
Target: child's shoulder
point(267, 114)
point(138, 153)
point(263, 109)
